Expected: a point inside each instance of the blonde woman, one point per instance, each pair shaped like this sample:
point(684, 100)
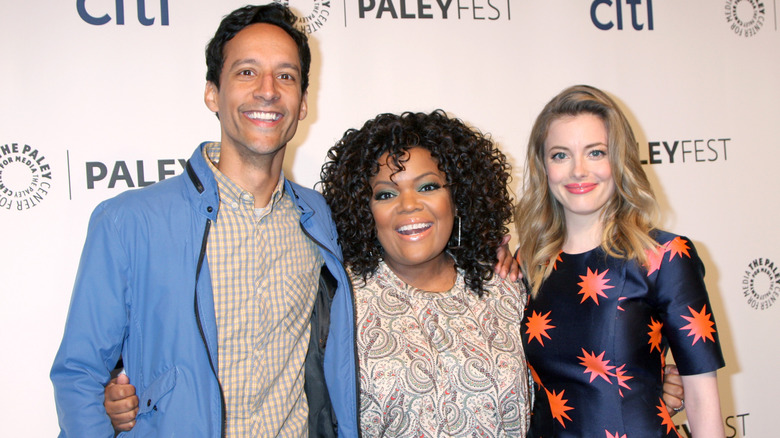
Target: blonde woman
point(610, 292)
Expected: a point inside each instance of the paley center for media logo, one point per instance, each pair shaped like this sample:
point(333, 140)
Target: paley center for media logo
point(761, 283)
point(312, 14)
point(746, 17)
point(25, 177)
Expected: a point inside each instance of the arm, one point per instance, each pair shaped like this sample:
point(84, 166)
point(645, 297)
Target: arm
point(94, 332)
point(121, 403)
point(703, 407)
point(673, 390)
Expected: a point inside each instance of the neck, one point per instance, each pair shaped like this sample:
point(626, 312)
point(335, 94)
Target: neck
point(582, 234)
point(437, 275)
point(257, 174)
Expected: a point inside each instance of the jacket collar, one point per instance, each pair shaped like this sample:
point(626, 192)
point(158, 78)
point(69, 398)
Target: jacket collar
point(203, 187)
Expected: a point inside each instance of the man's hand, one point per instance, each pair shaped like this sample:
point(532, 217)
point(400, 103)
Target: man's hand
point(507, 266)
point(673, 390)
point(121, 403)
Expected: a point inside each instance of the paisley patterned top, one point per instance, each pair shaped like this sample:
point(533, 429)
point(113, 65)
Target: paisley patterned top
point(598, 332)
point(440, 364)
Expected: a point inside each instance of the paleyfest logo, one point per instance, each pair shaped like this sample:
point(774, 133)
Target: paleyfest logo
point(746, 17)
point(761, 283)
point(312, 14)
point(25, 177)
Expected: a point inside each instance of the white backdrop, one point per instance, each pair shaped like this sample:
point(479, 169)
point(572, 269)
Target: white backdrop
point(89, 110)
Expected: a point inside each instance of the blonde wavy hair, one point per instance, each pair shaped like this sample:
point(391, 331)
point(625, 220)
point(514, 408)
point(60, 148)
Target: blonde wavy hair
point(628, 216)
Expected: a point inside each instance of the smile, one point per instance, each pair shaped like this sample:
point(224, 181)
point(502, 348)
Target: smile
point(411, 229)
point(579, 189)
point(263, 116)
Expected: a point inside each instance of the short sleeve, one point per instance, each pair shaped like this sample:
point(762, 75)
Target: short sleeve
point(684, 305)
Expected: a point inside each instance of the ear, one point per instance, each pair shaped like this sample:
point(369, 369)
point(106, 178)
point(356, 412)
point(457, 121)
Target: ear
point(211, 97)
point(304, 106)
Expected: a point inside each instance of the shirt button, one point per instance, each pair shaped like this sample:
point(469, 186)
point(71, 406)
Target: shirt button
point(234, 205)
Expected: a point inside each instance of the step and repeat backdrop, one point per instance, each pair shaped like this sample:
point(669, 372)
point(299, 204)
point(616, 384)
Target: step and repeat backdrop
point(103, 96)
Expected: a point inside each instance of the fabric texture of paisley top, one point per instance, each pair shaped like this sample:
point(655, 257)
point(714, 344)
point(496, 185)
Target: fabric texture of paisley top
point(598, 332)
point(441, 364)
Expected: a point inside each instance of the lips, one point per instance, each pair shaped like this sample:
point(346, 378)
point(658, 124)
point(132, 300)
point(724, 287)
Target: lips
point(580, 189)
point(412, 229)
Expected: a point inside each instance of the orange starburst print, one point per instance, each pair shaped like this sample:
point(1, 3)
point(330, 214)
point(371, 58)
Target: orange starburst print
point(596, 365)
point(537, 327)
point(616, 435)
point(700, 325)
point(557, 259)
point(622, 377)
point(655, 335)
point(558, 406)
point(666, 420)
point(654, 259)
point(678, 246)
point(593, 285)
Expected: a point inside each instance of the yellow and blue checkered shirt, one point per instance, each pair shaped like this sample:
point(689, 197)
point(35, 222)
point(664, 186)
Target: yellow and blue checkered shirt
point(264, 273)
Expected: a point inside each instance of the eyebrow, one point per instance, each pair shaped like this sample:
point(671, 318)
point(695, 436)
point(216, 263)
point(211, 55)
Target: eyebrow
point(393, 183)
point(591, 145)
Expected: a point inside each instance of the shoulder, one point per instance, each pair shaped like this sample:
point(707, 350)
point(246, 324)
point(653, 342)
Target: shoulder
point(312, 198)
point(500, 287)
point(676, 255)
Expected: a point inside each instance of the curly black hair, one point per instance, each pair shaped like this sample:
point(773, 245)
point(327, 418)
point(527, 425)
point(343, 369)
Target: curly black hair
point(477, 176)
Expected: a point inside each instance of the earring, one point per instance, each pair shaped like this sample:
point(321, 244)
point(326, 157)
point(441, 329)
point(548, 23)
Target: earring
point(459, 223)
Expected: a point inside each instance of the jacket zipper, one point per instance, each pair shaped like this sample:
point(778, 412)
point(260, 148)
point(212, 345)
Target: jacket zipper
point(201, 256)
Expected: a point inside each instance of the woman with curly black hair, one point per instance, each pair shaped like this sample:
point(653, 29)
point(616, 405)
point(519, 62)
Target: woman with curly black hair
point(421, 205)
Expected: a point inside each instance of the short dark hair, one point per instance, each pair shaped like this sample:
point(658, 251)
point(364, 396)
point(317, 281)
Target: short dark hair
point(477, 175)
point(233, 23)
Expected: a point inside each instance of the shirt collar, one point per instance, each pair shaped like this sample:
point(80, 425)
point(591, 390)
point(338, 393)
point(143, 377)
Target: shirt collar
point(232, 194)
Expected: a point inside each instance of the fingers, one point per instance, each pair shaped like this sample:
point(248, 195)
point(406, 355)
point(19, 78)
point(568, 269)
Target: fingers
point(504, 261)
point(124, 421)
point(673, 390)
point(122, 379)
point(115, 391)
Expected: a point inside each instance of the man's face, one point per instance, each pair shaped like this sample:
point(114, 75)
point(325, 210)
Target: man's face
point(259, 101)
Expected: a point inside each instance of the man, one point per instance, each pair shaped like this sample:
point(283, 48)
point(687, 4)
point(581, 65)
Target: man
point(206, 284)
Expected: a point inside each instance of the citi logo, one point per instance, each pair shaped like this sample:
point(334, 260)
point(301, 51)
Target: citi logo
point(98, 17)
point(608, 14)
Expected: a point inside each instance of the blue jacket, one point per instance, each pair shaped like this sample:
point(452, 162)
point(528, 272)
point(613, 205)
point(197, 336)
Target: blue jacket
point(143, 291)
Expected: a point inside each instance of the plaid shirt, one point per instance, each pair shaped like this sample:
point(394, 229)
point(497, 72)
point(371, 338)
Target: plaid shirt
point(264, 274)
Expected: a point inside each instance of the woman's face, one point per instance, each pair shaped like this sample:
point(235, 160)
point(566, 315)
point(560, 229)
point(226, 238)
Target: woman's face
point(413, 210)
point(578, 170)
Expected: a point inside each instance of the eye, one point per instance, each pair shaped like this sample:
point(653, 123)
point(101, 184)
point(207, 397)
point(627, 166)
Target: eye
point(598, 153)
point(558, 156)
point(286, 77)
point(429, 187)
point(383, 195)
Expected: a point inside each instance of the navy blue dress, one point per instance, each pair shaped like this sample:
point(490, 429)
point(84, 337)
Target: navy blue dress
point(598, 332)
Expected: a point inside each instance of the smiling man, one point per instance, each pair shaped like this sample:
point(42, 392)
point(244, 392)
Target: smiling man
point(219, 288)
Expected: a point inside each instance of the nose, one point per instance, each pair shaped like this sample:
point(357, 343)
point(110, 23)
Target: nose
point(266, 88)
point(409, 201)
point(579, 169)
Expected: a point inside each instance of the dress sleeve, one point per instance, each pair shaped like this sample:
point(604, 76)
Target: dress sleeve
point(684, 305)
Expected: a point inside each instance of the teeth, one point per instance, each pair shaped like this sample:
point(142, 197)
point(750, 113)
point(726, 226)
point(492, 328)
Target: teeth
point(414, 227)
point(259, 115)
